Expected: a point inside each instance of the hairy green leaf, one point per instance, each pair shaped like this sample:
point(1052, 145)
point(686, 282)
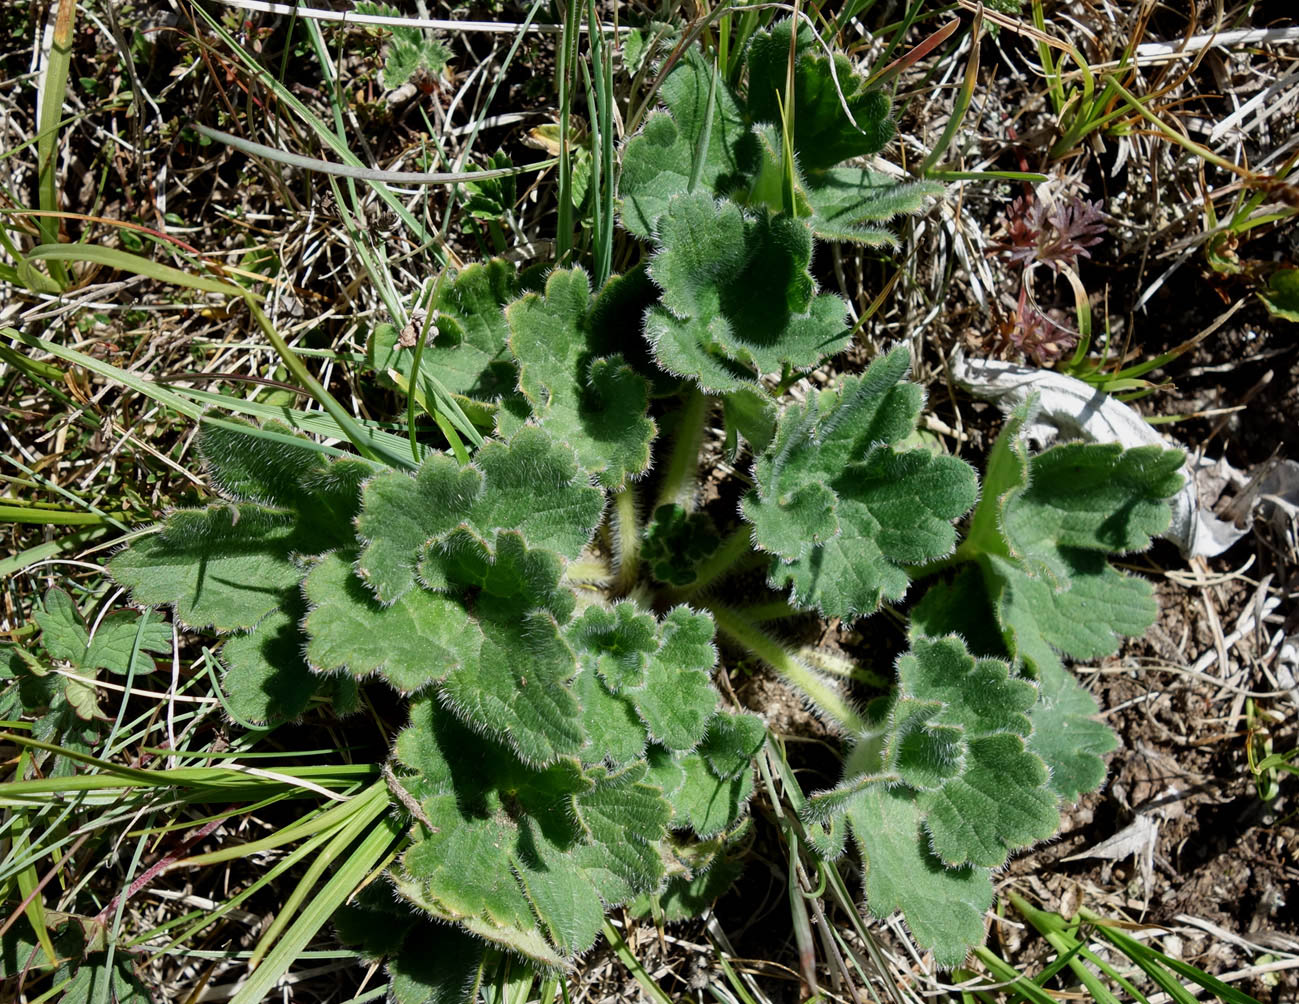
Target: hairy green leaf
point(621, 642)
point(595, 405)
point(530, 484)
point(676, 542)
point(429, 963)
point(1040, 536)
point(466, 348)
point(517, 688)
point(412, 643)
point(678, 698)
point(953, 739)
point(733, 740)
point(943, 906)
point(840, 508)
point(1067, 734)
point(660, 161)
point(266, 678)
point(512, 842)
point(230, 564)
point(824, 133)
point(706, 803)
point(844, 201)
point(738, 300)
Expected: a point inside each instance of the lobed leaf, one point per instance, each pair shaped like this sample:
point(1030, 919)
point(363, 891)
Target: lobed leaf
point(1041, 533)
point(738, 300)
point(824, 135)
point(660, 161)
point(530, 484)
point(943, 906)
point(678, 698)
point(513, 842)
point(840, 508)
point(466, 349)
point(595, 405)
point(412, 643)
point(66, 635)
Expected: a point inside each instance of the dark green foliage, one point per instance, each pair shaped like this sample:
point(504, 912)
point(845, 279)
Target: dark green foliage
point(824, 133)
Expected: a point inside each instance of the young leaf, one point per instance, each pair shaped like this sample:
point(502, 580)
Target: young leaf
point(114, 640)
point(1041, 532)
point(678, 698)
point(65, 635)
point(413, 53)
point(840, 508)
point(823, 134)
point(63, 629)
point(738, 300)
point(676, 542)
point(595, 405)
point(618, 642)
point(955, 736)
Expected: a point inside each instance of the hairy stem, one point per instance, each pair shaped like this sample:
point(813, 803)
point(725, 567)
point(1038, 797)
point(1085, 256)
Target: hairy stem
point(775, 610)
point(726, 559)
point(626, 528)
point(683, 461)
point(749, 637)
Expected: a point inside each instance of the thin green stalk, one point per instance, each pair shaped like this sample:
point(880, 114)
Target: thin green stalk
point(371, 805)
point(429, 311)
point(1204, 153)
point(53, 90)
point(1004, 972)
point(705, 135)
point(332, 817)
point(29, 881)
point(651, 989)
point(802, 924)
point(677, 486)
point(344, 881)
point(748, 636)
point(42, 516)
point(313, 386)
point(963, 98)
point(567, 57)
